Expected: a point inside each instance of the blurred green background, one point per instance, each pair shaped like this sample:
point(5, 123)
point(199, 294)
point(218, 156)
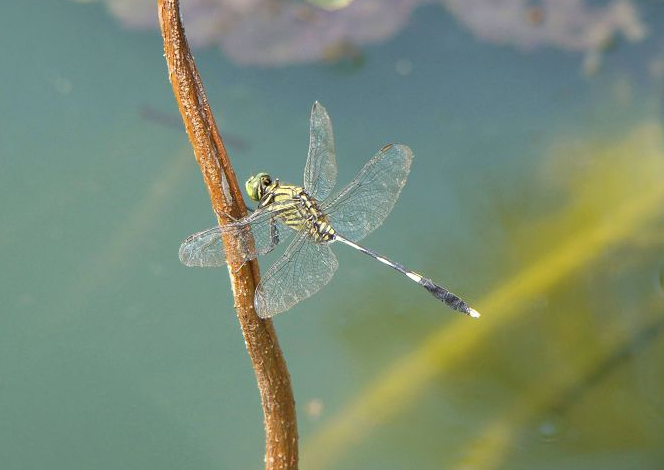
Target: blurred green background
point(536, 194)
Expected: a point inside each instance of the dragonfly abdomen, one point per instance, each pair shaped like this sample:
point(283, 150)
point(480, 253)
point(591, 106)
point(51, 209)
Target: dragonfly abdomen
point(321, 231)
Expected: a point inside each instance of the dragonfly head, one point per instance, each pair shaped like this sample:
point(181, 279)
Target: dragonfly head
point(256, 186)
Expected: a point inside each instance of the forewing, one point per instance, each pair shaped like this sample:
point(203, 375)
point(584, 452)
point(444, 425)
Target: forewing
point(302, 271)
point(320, 172)
point(206, 248)
point(365, 203)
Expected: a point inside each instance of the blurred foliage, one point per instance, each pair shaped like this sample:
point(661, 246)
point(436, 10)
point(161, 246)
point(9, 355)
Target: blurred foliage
point(605, 202)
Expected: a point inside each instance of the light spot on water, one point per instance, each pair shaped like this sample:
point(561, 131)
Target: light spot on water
point(314, 408)
point(549, 429)
point(403, 67)
point(62, 85)
point(157, 269)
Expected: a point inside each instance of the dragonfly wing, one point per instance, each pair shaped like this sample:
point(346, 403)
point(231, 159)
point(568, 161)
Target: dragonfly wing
point(252, 236)
point(204, 249)
point(302, 271)
point(320, 172)
point(365, 203)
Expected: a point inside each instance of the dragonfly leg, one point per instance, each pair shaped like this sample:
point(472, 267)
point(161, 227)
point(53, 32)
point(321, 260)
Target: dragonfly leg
point(274, 239)
point(224, 215)
point(274, 234)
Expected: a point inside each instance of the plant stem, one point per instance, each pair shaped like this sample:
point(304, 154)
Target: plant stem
point(281, 451)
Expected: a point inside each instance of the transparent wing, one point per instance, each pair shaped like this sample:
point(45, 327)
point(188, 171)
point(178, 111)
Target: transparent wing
point(206, 248)
point(320, 172)
point(365, 203)
point(302, 271)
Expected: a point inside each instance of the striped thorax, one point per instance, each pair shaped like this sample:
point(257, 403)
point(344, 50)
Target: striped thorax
point(303, 210)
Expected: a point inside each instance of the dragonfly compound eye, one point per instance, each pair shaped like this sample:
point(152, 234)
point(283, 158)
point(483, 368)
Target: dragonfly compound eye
point(251, 186)
point(255, 186)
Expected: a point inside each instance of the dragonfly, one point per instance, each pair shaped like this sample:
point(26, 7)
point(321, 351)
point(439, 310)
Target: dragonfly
point(315, 220)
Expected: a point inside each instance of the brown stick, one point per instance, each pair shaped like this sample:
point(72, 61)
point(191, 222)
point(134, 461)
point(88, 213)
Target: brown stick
point(281, 452)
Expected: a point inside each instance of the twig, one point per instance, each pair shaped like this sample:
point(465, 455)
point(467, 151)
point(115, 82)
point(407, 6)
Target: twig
point(281, 451)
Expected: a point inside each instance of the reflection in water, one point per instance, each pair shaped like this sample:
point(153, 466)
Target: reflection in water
point(174, 121)
point(314, 408)
point(344, 55)
point(571, 25)
point(280, 32)
point(276, 32)
point(331, 4)
point(607, 202)
point(553, 394)
point(621, 353)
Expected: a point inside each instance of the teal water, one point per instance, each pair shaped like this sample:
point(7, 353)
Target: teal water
point(532, 179)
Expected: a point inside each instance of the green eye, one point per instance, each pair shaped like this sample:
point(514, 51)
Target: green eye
point(256, 185)
point(251, 186)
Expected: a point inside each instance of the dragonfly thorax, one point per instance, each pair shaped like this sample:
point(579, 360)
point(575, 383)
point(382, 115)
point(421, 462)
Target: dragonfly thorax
point(298, 210)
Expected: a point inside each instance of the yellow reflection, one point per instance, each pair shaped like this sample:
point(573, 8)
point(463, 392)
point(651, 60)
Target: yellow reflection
point(489, 449)
point(614, 192)
point(331, 5)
